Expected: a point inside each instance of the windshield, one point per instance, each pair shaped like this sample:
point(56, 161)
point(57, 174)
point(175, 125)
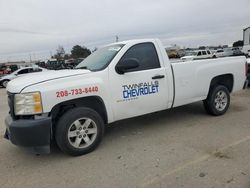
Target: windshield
point(191, 53)
point(100, 59)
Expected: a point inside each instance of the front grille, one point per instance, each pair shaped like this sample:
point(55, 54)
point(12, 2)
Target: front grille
point(11, 105)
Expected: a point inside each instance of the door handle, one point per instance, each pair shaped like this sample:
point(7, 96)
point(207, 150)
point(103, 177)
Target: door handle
point(158, 77)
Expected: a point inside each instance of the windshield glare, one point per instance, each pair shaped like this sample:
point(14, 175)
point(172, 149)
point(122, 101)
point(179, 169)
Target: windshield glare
point(101, 58)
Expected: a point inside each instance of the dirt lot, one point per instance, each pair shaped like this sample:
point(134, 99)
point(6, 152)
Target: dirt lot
point(183, 147)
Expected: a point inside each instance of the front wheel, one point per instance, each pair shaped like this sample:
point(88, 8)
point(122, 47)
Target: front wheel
point(218, 101)
point(79, 131)
point(5, 83)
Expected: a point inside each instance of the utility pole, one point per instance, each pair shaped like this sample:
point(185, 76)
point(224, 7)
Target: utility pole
point(50, 54)
point(30, 58)
point(116, 38)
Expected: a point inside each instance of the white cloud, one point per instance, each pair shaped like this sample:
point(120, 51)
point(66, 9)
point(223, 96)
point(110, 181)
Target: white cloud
point(38, 27)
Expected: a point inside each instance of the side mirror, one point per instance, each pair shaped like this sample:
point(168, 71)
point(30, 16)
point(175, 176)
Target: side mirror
point(126, 64)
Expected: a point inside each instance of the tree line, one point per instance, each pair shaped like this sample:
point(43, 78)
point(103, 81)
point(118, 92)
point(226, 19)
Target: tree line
point(76, 52)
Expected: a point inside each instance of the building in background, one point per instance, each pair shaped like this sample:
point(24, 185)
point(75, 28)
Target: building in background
point(246, 40)
point(246, 36)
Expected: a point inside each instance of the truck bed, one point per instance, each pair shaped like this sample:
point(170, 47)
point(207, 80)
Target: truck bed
point(192, 79)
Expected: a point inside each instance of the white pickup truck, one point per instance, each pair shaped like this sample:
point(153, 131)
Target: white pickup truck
point(119, 81)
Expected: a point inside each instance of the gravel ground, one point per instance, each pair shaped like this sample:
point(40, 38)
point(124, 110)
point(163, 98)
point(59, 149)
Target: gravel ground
point(183, 147)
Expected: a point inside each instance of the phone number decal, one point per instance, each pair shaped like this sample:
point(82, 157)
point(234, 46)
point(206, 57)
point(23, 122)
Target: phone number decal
point(66, 93)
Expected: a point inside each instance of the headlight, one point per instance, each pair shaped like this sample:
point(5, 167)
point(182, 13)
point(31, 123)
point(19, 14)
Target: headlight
point(28, 104)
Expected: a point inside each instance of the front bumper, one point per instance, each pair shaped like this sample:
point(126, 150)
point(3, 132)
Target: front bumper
point(33, 134)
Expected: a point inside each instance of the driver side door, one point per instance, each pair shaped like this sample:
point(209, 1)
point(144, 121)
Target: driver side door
point(139, 90)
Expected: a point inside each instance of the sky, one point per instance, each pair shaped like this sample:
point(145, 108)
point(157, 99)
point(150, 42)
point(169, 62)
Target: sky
point(33, 29)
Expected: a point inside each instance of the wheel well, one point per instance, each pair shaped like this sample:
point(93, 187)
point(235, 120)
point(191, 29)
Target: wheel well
point(226, 80)
point(93, 102)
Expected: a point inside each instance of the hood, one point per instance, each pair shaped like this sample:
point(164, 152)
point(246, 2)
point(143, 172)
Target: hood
point(16, 85)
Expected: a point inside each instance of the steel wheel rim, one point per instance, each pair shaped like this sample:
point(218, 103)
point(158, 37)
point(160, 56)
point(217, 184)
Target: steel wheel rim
point(5, 83)
point(82, 133)
point(221, 100)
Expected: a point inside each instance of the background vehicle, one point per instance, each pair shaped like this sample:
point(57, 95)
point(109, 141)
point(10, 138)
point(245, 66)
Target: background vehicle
point(20, 72)
point(120, 81)
point(195, 55)
point(4, 71)
point(72, 63)
point(7, 69)
point(237, 51)
point(41, 64)
point(219, 53)
point(54, 64)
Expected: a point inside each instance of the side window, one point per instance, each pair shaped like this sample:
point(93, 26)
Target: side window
point(199, 53)
point(36, 70)
point(208, 52)
point(24, 71)
point(145, 53)
point(204, 53)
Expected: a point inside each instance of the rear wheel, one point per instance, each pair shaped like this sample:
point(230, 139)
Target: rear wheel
point(218, 100)
point(79, 131)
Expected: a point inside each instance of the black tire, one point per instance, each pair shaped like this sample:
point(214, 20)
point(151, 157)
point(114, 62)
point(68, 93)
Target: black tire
point(214, 56)
point(4, 83)
point(66, 122)
point(217, 108)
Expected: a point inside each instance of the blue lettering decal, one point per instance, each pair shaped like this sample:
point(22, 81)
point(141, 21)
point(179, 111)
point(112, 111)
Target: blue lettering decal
point(132, 91)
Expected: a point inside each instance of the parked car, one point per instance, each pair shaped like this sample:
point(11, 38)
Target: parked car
point(4, 69)
point(226, 52)
point(53, 64)
point(120, 81)
point(195, 55)
point(219, 53)
point(72, 63)
point(237, 51)
point(20, 72)
point(41, 64)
